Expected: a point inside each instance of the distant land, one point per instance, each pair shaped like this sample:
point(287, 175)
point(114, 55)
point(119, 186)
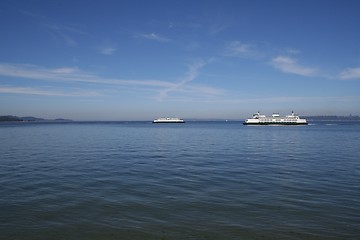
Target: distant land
point(10, 118)
point(311, 118)
point(332, 118)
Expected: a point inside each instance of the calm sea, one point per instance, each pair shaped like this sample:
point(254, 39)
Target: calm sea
point(198, 180)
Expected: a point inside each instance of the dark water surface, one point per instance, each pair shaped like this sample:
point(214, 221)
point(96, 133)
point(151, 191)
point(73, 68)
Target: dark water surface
point(195, 180)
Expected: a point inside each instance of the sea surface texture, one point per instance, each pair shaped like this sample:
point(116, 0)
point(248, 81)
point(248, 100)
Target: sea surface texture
point(198, 180)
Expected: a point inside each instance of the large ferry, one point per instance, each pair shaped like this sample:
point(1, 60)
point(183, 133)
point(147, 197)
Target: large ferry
point(168, 120)
point(275, 119)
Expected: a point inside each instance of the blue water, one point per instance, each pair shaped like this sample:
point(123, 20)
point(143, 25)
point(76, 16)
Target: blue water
point(198, 180)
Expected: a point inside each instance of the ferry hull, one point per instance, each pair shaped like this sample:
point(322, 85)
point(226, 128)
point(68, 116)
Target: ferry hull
point(270, 123)
point(168, 122)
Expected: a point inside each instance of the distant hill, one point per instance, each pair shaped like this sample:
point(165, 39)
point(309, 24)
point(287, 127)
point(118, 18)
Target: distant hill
point(32, 119)
point(10, 118)
point(333, 118)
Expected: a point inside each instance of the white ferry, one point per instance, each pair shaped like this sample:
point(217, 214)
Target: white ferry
point(168, 120)
point(275, 119)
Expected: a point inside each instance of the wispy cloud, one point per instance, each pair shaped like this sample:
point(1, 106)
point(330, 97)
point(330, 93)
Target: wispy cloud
point(155, 37)
point(36, 91)
point(64, 32)
point(70, 74)
point(60, 31)
point(350, 73)
point(32, 14)
point(216, 29)
point(284, 99)
point(65, 70)
point(292, 51)
point(67, 28)
point(290, 65)
point(75, 75)
point(190, 75)
point(107, 50)
point(240, 49)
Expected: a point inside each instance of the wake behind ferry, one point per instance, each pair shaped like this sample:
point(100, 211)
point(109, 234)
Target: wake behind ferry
point(275, 119)
point(168, 120)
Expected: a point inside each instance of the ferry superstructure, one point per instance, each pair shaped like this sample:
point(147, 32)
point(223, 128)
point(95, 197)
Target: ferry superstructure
point(275, 119)
point(168, 120)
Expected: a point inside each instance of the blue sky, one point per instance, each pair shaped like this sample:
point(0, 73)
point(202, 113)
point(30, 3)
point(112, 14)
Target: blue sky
point(139, 60)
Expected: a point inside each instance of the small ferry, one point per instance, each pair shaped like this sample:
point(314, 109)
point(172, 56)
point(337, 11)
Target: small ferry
point(275, 119)
point(168, 120)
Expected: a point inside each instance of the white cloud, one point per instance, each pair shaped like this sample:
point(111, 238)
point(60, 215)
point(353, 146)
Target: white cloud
point(65, 32)
point(155, 37)
point(245, 50)
point(35, 91)
point(65, 70)
point(107, 50)
point(61, 32)
point(238, 48)
point(32, 14)
point(216, 29)
point(292, 51)
point(75, 75)
point(350, 73)
point(190, 75)
point(286, 99)
point(290, 65)
point(69, 74)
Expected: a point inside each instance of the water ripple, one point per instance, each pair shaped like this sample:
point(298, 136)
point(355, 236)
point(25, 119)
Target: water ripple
point(194, 181)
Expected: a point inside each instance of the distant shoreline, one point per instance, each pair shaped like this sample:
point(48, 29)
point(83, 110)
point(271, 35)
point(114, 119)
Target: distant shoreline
point(332, 118)
point(10, 118)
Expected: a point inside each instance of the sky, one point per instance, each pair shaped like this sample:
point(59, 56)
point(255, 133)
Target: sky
point(194, 59)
